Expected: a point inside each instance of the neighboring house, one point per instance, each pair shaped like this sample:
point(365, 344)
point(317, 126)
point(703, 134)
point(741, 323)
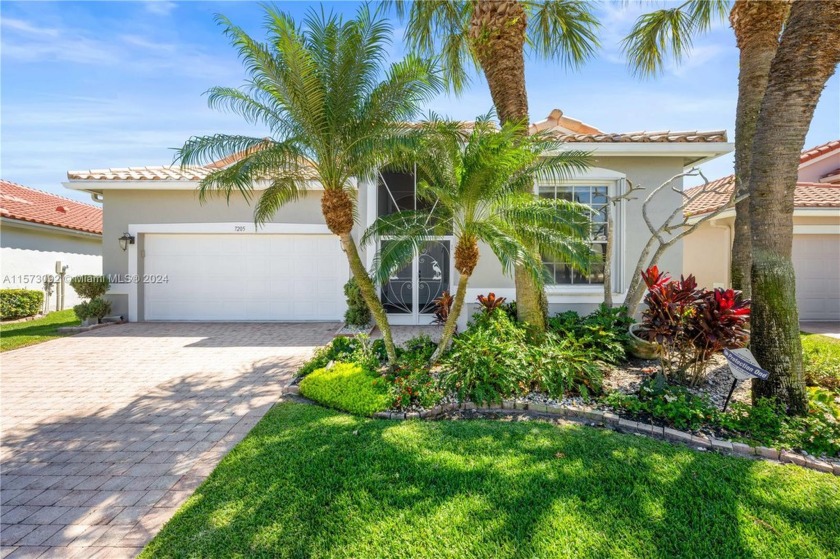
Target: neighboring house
point(38, 229)
point(193, 261)
point(816, 234)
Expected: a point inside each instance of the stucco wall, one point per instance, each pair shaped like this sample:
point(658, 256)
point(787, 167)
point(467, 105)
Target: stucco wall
point(125, 207)
point(708, 249)
point(32, 254)
point(706, 253)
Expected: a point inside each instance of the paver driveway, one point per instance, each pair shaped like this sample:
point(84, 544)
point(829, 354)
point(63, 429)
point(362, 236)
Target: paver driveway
point(105, 434)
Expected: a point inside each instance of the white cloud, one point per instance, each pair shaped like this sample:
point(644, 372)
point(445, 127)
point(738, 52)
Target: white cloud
point(160, 7)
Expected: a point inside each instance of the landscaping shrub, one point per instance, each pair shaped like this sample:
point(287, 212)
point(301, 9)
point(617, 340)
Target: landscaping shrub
point(347, 387)
point(359, 349)
point(20, 303)
point(489, 361)
point(821, 358)
point(604, 331)
point(674, 405)
point(763, 423)
point(357, 313)
point(90, 287)
point(691, 324)
point(95, 308)
point(560, 367)
point(443, 306)
point(411, 382)
point(766, 422)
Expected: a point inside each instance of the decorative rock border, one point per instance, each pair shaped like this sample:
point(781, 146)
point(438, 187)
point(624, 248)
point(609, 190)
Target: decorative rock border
point(613, 421)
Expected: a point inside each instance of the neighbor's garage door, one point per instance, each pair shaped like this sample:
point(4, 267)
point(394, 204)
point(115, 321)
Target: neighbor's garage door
point(816, 259)
point(244, 277)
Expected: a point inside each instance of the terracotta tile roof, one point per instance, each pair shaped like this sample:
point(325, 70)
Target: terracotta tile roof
point(571, 130)
point(832, 176)
point(806, 195)
point(159, 173)
point(35, 206)
point(823, 194)
point(817, 151)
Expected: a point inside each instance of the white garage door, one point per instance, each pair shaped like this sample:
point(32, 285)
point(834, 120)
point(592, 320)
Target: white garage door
point(244, 277)
point(816, 259)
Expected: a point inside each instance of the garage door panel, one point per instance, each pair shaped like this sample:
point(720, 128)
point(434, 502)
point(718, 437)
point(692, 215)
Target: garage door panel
point(244, 277)
point(816, 260)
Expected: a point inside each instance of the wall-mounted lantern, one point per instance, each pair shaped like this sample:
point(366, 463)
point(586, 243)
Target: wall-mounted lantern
point(126, 240)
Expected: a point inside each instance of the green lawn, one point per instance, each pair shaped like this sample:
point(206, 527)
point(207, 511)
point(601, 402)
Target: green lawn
point(19, 334)
point(310, 482)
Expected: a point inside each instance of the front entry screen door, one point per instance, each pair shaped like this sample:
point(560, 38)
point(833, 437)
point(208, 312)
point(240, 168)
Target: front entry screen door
point(411, 292)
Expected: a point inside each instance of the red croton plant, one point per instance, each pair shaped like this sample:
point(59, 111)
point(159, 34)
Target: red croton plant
point(490, 302)
point(690, 323)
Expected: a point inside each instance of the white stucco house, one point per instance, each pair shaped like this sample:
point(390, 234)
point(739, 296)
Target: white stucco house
point(816, 234)
point(38, 229)
point(192, 261)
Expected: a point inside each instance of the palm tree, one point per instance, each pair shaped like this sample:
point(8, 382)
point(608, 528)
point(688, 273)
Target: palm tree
point(492, 36)
point(757, 25)
point(479, 184)
point(333, 108)
point(807, 56)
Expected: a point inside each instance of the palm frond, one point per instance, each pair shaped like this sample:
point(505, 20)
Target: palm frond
point(661, 33)
point(401, 235)
point(282, 191)
point(563, 30)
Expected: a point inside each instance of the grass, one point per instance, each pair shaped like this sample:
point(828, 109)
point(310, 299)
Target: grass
point(821, 357)
point(20, 334)
point(311, 482)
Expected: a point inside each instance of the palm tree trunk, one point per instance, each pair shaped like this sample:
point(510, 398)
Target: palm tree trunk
point(497, 37)
point(368, 290)
point(807, 56)
point(452, 319)
point(757, 25)
point(337, 206)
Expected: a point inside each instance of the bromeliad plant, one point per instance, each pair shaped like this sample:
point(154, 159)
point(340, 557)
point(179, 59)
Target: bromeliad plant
point(690, 323)
point(479, 182)
point(333, 108)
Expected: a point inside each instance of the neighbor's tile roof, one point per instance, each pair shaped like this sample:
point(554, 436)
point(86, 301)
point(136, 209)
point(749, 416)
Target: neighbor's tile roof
point(815, 152)
point(35, 206)
point(569, 129)
point(807, 194)
point(718, 193)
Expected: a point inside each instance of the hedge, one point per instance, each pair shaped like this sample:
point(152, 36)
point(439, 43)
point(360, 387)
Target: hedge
point(347, 387)
point(20, 303)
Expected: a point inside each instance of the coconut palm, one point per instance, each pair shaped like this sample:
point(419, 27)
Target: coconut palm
point(479, 183)
point(332, 106)
point(757, 25)
point(493, 36)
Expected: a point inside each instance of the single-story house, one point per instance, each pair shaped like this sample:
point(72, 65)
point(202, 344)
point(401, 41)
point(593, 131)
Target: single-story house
point(192, 261)
point(816, 234)
point(38, 230)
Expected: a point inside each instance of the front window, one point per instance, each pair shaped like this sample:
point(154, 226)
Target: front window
point(596, 198)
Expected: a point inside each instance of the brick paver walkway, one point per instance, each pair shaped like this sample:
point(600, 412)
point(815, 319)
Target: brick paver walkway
point(105, 434)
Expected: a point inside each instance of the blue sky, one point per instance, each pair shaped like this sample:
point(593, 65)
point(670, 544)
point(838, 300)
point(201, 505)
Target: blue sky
point(115, 84)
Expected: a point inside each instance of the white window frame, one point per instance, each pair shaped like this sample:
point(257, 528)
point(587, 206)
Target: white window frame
point(616, 183)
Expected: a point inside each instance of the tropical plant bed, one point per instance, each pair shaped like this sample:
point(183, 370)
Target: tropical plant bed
point(312, 482)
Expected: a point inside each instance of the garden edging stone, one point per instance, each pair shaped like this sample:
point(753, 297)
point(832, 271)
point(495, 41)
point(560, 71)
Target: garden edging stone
point(613, 421)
